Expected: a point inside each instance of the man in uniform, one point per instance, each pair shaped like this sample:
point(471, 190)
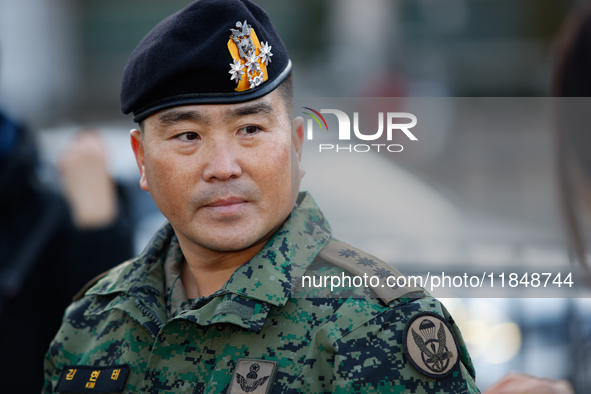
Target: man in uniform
point(216, 301)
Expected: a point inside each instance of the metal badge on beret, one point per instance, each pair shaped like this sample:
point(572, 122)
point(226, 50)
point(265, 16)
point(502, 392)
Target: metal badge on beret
point(430, 345)
point(250, 57)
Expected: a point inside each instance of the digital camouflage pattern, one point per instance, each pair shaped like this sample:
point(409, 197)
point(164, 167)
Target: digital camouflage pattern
point(348, 342)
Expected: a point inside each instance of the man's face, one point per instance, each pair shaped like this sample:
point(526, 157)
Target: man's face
point(225, 176)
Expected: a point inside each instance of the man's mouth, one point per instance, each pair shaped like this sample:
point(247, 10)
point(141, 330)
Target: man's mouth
point(228, 205)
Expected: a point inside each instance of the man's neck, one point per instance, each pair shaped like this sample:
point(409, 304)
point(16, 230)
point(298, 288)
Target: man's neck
point(205, 271)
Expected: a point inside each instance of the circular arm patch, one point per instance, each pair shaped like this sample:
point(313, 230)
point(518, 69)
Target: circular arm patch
point(430, 345)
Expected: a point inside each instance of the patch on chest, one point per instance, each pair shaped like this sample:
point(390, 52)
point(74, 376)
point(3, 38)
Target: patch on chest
point(430, 345)
point(253, 376)
point(87, 379)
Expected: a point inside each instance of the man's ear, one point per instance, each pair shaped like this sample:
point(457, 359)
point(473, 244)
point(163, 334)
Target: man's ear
point(137, 144)
point(298, 135)
point(297, 140)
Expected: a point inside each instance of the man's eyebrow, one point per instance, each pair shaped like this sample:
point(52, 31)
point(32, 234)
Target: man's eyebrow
point(262, 108)
point(176, 115)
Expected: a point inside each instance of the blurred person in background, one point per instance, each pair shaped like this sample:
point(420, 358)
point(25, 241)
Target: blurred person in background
point(50, 245)
point(518, 383)
point(572, 83)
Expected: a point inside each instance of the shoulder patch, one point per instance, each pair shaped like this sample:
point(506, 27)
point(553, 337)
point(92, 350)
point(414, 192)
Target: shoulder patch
point(359, 263)
point(430, 345)
point(253, 376)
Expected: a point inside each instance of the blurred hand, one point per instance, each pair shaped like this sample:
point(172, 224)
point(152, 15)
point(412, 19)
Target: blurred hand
point(517, 383)
point(88, 187)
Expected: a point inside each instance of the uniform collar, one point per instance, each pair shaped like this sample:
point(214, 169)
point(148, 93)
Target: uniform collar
point(270, 276)
point(141, 278)
point(142, 274)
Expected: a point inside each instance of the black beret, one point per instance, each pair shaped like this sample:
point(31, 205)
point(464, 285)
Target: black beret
point(210, 52)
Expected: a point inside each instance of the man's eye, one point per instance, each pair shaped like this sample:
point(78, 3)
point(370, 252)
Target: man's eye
point(188, 136)
point(250, 130)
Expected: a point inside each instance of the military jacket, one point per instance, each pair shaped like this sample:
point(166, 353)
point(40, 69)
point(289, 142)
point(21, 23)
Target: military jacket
point(267, 330)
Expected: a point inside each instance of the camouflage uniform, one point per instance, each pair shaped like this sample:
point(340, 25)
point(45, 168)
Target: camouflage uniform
point(262, 331)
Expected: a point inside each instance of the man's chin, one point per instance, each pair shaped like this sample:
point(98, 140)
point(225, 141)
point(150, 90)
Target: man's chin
point(228, 238)
point(229, 247)
point(226, 243)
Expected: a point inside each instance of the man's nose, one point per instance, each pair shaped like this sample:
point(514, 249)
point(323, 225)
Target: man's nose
point(222, 163)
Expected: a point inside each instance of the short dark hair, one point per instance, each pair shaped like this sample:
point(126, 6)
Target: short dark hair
point(286, 91)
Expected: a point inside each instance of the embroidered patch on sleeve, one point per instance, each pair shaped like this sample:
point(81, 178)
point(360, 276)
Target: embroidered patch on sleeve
point(87, 379)
point(253, 376)
point(430, 345)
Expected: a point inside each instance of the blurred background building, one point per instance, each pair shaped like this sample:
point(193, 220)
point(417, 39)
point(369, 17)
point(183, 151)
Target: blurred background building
point(480, 188)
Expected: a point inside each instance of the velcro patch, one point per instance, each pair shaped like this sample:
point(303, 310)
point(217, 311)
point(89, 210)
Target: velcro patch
point(253, 376)
point(430, 345)
point(87, 379)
